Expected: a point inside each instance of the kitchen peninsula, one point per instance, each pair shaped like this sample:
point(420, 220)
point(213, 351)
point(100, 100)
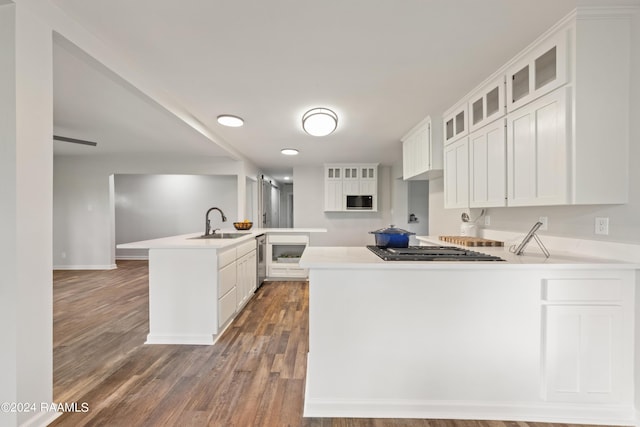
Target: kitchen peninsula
point(197, 286)
point(529, 339)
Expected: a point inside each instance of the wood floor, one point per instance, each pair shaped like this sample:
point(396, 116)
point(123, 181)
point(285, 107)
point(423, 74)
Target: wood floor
point(253, 376)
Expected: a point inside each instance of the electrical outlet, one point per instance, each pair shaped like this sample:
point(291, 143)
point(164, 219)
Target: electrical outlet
point(545, 222)
point(487, 220)
point(602, 225)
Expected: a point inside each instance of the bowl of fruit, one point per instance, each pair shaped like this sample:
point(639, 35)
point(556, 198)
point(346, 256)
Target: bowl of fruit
point(243, 225)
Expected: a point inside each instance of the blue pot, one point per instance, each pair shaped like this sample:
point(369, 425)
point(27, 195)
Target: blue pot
point(392, 237)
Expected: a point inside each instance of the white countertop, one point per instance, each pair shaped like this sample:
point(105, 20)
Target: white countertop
point(186, 241)
point(361, 257)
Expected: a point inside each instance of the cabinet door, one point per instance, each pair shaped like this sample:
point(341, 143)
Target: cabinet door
point(456, 123)
point(456, 174)
point(542, 70)
point(582, 353)
point(228, 278)
point(246, 278)
point(333, 195)
point(488, 166)
point(487, 105)
point(537, 152)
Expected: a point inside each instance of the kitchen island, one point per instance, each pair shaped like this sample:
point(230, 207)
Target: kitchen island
point(198, 286)
point(529, 339)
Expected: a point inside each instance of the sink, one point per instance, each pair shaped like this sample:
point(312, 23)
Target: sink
point(221, 236)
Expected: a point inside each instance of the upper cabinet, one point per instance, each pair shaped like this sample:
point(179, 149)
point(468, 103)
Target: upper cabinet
point(566, 103)
point(538, 152)
point(541, 70)
point(488, 166)
point(456, 174)
point(487, 105)
point(351, 187)
point(422, 151)
point(455, 123)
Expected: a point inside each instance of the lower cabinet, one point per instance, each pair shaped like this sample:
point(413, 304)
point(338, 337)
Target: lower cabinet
point(227, 292)
point(247, 279)
point(587, 330)
point(236, 279)
point(283, 254)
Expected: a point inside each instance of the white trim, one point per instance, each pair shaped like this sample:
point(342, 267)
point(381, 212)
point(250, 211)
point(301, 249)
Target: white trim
point(132, 257)
point(43, 419)
point(85, 267)
point(207, 339)
point(505, 411)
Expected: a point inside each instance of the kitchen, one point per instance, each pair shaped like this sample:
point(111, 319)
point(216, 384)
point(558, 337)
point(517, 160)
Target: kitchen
point(28, 176)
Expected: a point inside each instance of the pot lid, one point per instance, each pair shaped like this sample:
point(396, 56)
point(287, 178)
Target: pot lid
point(391, 230)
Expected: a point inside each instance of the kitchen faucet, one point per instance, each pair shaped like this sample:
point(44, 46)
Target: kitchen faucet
point(207, 224)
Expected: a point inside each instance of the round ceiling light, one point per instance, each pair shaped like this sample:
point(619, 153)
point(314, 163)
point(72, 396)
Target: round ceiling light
point(289, 151)
point(229, 120)
point(319, 121)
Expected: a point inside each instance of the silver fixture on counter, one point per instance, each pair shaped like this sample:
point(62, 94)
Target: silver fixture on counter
point(530, 235)
point(207, 221)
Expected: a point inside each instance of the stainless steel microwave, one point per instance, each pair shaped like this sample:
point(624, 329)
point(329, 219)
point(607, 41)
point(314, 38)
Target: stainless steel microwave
point(359, 203)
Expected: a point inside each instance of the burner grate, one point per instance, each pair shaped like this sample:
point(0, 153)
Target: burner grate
point(431, 253)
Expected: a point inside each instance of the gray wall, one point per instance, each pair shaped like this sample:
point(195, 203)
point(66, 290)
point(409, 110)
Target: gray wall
point(152, 206)
point(83, 203)
point(344, 228)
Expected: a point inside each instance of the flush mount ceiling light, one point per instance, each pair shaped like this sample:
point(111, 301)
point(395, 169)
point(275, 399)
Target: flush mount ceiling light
point(289, 151)
point(319, 121)
point(229, 120)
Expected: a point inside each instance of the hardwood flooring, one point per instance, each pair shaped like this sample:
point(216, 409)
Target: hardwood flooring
point(253, 376)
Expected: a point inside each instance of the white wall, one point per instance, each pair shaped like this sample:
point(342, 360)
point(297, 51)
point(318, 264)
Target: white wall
point(343, 228)
point(153, 206)
point(26, 111)
point(83, 233)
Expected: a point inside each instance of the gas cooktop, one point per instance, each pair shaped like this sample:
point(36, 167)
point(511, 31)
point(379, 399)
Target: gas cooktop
point(431, 253)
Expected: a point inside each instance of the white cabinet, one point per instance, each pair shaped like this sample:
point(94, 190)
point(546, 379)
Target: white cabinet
point(237, 277)
point(537, 152)
point(422, 151)
point(586, 339)
point(488, 166)
point(455, 122)
point(541, 70)
point(567, 109)
point(342, 180)
point(351, 180)
point(246, 274)
point(456, 174)
point(283, 254)
point(487, 104)
point(368, 180)
point(333, 200)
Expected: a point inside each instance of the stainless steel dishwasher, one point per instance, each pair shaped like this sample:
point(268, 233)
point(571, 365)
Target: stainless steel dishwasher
point(261, 241)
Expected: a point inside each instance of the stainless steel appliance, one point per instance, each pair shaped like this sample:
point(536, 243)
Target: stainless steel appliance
point(431, 253)
point(261, 252)
point(359, 202)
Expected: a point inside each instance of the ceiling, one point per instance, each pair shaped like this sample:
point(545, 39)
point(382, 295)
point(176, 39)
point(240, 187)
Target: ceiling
point(381, 65)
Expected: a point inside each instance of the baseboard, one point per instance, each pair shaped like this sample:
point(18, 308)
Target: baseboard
point(86, 267)
point(132, 257)
point(205, 339)
point(42, 419)
point(598, 414)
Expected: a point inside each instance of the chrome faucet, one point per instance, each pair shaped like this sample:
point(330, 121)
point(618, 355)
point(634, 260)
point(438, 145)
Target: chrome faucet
point(207, 224)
